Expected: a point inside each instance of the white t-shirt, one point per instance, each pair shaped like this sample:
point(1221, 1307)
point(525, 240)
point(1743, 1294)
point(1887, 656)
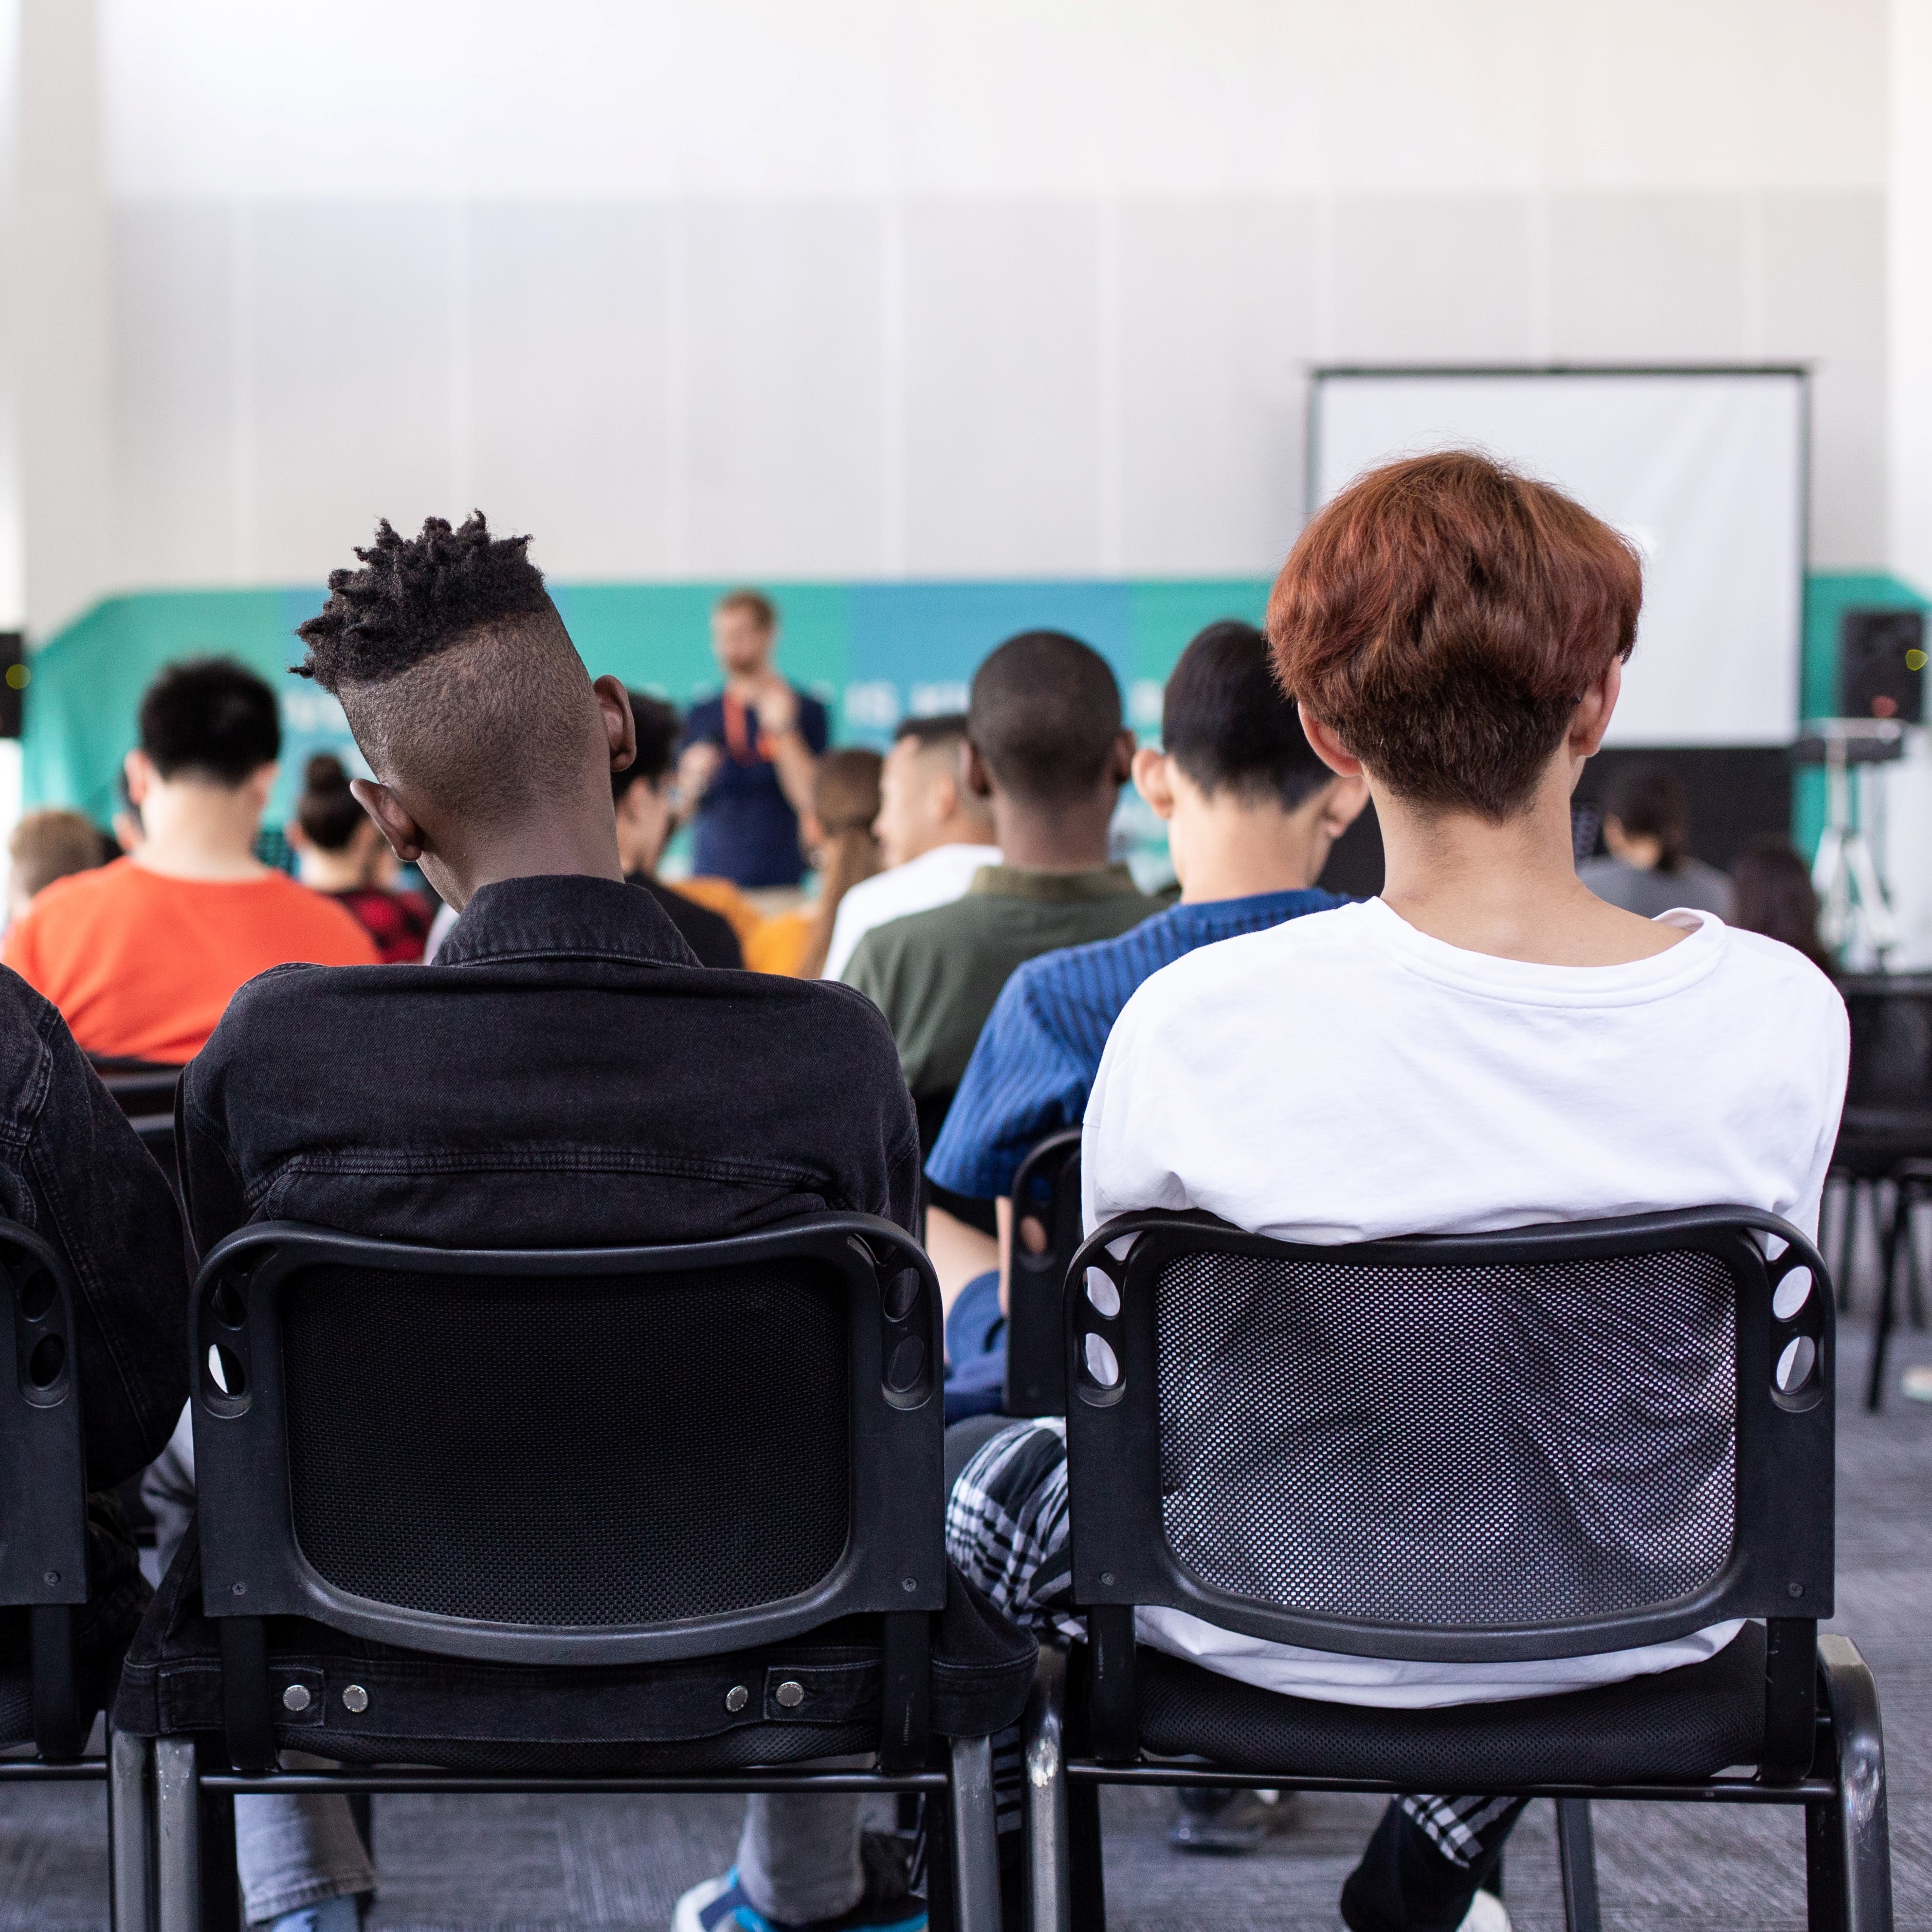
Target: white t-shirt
point(934, 878)
point(1344, 1077)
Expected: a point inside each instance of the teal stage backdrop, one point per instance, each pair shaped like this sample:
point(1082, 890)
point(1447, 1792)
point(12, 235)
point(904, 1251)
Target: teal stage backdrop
point(875, 652)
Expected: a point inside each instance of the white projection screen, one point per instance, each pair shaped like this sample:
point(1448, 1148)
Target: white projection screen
point(1705, 469)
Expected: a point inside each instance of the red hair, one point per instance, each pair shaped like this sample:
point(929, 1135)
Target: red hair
point(1443, 616)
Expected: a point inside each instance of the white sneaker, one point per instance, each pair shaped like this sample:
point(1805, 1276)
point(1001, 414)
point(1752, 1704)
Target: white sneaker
point(1486, 1915)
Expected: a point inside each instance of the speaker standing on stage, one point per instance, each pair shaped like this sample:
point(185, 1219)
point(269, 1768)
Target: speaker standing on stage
point(750, 754)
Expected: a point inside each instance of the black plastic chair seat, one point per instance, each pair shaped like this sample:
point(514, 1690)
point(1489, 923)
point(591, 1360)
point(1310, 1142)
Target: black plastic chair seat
point(464, 1715)
point(1676, 1725)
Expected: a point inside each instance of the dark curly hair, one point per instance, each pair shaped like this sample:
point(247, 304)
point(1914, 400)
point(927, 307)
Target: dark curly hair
point(456, 674)
point(415, 596)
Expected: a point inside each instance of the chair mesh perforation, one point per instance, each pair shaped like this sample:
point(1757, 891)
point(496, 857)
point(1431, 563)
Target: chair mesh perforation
point(547, 1451)
point(1491, 1447)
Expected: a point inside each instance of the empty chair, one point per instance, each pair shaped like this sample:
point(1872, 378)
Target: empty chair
point(617, 1519)
point(1553, 1443)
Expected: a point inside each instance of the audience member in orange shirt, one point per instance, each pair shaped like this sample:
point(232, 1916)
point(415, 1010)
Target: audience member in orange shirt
point(143, 956)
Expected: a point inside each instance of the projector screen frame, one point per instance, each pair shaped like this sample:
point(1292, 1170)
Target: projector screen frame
point(1320, 373)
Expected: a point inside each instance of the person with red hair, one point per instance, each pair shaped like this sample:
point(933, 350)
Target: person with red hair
point(1487, 1045)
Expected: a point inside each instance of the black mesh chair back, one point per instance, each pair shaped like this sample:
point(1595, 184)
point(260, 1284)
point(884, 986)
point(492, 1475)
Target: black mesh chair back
point(1045, 1231)
point(1888, 1112)
point(611, 1455)
point(1544, 1443)
point(1541, 1443)
point(43, 1482)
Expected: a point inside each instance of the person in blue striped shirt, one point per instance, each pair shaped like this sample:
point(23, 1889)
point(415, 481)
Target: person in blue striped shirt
point(1251, 814)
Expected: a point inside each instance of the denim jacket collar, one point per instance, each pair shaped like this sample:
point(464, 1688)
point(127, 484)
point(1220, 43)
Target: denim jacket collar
point(563, 916)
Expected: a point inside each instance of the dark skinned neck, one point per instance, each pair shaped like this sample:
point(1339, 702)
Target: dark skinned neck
point(1058, 839)
point(536, 851)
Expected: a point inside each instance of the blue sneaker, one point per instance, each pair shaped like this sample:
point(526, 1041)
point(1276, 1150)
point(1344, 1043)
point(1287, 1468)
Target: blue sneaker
point(719, 1905)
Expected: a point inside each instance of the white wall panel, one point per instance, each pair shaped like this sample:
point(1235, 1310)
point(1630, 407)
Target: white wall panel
point(350, 404)
point(1002, 398)
point(566, 411)
point(1825, 294)
point(1217, 325)
point(175, 458)
point(1446, 279)
point(1648, 278)
point(783, 351)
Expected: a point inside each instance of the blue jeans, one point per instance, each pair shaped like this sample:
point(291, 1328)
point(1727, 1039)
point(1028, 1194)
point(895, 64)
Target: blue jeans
point(975, 1350)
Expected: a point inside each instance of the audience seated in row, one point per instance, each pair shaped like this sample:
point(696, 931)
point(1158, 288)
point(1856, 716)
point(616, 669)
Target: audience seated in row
point(72, 1172)
point(46, 846)
point(1649, 869)
point(1771, 892)
point(565, 1072)
point(934, 833)
point(1486, 1045)
point(1251, 813)
point(845, 852)
point(647, 808)
point(1044, 748)
point(341, 855)
point(141, 956)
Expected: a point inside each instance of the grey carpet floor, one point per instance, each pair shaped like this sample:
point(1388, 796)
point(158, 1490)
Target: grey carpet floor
point(493, 1864)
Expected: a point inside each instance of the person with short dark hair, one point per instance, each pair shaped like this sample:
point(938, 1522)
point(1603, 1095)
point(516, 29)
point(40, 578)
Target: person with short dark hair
point(340, 854)
point(750, 754)
point(565, 1073)
point(141, 956)
point(1649, 869)
point(48, 845)
point(647, 806)
point(1046, 749)
point(1252, 814)
point(1771, 892)
point(1486, 1045)
point(934, 834)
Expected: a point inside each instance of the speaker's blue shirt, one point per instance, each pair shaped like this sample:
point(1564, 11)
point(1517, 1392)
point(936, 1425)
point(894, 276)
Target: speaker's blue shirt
point(1031, 1071)
point(746, 829)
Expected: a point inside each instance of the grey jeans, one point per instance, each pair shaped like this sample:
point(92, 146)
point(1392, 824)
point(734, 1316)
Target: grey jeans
point(289, 1852)
point(798, 1858)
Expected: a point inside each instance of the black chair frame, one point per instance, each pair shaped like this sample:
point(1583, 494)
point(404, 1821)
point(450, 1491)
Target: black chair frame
point(1046, 1193)
point(1823, 1748)
point(894, 1564)
point(1912, 1183)
point(43, 1556)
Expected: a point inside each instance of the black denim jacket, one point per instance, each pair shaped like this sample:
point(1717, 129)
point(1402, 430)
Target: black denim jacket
point(564, 1073)
point(73, 1170)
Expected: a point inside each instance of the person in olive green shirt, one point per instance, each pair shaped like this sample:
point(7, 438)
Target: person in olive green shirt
point(1046, 747)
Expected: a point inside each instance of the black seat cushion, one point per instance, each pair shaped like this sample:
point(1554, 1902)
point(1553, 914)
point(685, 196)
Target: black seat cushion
point(1678, 1724)
point(465, 1715)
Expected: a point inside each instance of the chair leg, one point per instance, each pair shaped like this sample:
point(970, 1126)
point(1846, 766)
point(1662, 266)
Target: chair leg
point(177, 1836)
point(1915, 1286)
point(1841, 1270)
point(1049, 1878)
point(1084, 1859)
point(130, 1835)
point(1881, 1322)
point(976, 1847)
point(1847, 1839)
point(1577, 1853)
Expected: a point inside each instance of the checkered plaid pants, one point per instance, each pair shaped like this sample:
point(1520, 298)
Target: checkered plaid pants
point(1006, 1529)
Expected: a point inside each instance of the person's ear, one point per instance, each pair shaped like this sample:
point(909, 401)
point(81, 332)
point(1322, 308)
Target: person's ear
point(620, 728)
point(1120, 761)
point(1326, 746)
point(1591, 718)
point(299, 839)
point(261, 782)
point(404, 835)
point(978, 780)
point(140, 770)
point(1154, 782)
point(1342, 800)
